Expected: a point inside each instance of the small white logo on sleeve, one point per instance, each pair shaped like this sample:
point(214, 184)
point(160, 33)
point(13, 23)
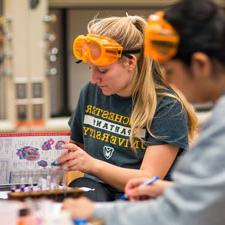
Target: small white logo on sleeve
point(108, 152)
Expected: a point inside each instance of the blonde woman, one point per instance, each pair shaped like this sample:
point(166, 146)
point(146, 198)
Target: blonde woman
point(128, 123)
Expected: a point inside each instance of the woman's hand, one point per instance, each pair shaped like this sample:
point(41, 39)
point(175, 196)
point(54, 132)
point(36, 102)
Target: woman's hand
point(136, 191)
point(79, 208)
point(75, 158)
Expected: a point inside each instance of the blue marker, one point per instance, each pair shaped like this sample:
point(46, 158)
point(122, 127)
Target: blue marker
point(55, 163)
point(146, 183)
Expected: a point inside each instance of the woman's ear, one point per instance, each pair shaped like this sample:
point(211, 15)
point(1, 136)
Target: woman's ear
point(201, 65)
point(131, 63)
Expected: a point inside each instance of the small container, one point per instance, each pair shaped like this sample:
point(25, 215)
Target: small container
point(80, 222)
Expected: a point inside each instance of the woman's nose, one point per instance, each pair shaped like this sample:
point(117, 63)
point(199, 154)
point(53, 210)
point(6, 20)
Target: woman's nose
point(95, 77)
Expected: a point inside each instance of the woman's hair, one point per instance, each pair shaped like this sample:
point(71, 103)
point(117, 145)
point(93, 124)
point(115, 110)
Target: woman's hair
point(147, 80)
point(201, 26)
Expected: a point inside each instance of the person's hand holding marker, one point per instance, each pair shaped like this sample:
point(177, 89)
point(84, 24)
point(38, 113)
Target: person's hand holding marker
point(145, 188)
point(55, 162)
point(75, 158)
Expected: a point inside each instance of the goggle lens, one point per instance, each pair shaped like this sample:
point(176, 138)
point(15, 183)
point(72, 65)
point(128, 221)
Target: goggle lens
point(86, 50)
point(94, 50)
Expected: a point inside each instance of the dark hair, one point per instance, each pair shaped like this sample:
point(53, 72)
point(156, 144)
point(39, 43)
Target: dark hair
point(201, 26)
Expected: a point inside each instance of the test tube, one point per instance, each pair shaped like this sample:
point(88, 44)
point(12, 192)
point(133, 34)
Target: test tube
point(30, 181)
point(49, 180)
point(22, 185)
point(13, 188)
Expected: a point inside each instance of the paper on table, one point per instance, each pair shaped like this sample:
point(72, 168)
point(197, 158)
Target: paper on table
point(3, 194)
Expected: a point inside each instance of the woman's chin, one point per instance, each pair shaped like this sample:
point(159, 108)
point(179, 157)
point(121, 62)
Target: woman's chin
point(106, 92)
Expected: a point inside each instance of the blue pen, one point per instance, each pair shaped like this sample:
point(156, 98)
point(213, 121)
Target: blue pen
point(146, 183)
point(151, 181)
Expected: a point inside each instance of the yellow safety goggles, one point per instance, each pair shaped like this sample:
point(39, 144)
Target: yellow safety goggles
point(161, 40)
point(99, 50)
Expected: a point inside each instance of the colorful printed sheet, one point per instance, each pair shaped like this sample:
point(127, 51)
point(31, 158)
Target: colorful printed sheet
point(25, 155)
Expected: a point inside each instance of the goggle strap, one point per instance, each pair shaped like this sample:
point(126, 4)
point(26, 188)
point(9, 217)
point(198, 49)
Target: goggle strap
point(78, 61)
point(132, 51)
point(124, 52)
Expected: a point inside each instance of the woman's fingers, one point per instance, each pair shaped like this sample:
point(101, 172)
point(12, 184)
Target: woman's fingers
point(71, 147)
point(133, 183)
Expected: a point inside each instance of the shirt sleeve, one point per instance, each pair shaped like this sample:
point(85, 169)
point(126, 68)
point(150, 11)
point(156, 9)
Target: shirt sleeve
point(196, 198)
point(169, 125)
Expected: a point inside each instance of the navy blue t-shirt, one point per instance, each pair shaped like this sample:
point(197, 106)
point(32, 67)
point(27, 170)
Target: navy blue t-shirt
point(101, 123)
